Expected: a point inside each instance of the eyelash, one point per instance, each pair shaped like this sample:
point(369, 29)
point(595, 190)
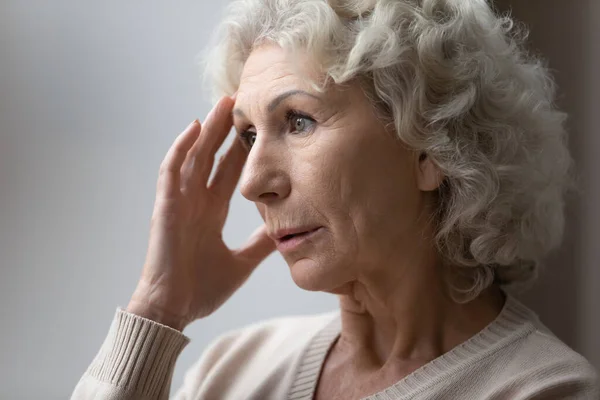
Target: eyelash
point(290, 116)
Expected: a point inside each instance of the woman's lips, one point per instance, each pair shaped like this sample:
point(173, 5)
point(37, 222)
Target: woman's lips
point(292, 242)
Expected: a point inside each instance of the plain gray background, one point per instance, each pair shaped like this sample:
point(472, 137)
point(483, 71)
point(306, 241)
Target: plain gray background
point(92, 96)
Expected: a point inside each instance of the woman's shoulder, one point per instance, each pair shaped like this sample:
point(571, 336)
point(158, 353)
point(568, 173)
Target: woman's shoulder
point(537, 356)
point(537, 342)
point(543, 349)
point(515, 357)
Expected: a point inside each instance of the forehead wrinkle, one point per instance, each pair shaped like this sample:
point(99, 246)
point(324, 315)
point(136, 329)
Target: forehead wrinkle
point(281, 97)
point(255, 90)
point(254, 71)
point(267, 73)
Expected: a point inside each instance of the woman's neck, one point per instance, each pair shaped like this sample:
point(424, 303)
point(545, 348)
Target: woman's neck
point(387, 322)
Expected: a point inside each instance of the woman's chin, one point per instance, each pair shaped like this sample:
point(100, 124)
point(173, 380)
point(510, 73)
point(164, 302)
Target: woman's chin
point(310, 275)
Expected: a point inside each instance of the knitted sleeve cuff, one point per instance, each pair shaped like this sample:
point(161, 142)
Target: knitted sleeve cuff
point(137, 357)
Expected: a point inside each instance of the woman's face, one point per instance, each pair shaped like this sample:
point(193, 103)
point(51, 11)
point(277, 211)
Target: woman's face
point(324, 160)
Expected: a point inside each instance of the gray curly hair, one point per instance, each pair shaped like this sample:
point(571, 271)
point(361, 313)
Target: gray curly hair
point(453, 78)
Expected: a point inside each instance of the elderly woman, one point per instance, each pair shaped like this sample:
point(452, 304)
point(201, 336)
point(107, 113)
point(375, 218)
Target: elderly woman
point(406, 156)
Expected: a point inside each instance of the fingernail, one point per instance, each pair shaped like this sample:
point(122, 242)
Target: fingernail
point(234, 96)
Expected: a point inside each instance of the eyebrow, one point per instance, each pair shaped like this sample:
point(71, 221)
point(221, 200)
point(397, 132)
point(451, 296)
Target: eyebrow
point(278, 99)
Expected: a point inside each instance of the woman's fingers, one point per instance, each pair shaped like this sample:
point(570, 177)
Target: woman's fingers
point(229, 170)
point(215, 128)
point(257, 248)
point(169, 173)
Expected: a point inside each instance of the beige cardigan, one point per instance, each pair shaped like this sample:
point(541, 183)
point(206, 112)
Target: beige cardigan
point(513, 358)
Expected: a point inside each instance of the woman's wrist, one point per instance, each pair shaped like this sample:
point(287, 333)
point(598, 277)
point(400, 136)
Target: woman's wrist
point(163, 317)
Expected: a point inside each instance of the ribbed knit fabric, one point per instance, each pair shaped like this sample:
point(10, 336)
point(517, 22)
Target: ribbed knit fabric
point(136, 361)
point(514, 358)
point(304, 384)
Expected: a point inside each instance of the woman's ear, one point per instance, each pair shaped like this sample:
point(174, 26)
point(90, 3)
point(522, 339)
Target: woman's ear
point(429, 176)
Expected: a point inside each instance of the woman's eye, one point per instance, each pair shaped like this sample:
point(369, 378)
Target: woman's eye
point(248, 137)
point(300, 123)
point(251, 138)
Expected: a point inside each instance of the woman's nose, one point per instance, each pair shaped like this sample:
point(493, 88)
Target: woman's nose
point(264, 178)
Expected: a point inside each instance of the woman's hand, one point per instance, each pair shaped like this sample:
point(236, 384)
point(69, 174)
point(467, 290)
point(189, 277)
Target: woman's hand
point(189, 271)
